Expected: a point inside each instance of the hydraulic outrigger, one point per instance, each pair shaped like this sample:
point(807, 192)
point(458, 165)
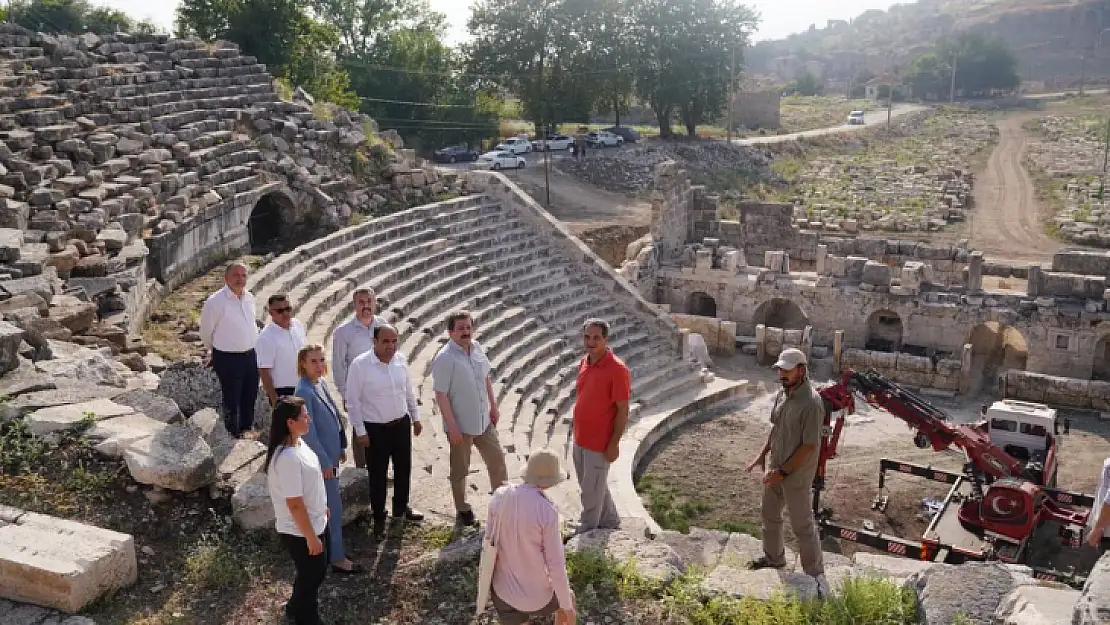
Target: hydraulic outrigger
point(993, 507)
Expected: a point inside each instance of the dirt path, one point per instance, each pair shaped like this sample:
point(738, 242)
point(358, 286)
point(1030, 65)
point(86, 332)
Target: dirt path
point(580, 205)
point(1007, 223)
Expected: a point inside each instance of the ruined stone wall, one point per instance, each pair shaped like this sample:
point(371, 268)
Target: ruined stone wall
point(947, 264)
point(130, 164)
point(1061, 336)
point(1082, 262)
point(1057, 391)
point(720, 336)
point(920, 371)
point(764, 227)
point(757, 109)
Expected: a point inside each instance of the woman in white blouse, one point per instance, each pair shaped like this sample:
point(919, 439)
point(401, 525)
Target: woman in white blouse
point(300, 506)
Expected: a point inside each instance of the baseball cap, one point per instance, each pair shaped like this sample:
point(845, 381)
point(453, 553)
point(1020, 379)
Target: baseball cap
point(790, 358)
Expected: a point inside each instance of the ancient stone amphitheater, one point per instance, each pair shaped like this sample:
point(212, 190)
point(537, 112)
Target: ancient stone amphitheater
point(130, 166)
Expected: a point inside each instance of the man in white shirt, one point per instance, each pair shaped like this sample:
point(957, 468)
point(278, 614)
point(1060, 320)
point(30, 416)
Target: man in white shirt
point(385, 415)
point(350, 340)
point(278, 344)
point(228, 330)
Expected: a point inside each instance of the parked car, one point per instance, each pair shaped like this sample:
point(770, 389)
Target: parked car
point(557, 142)
point(628, 134)
point(455, 154)
point(500, 159)
point(516, 145)
point(603, 138)
point(855, 118)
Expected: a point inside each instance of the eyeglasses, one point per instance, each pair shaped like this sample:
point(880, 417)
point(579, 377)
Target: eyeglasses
point(282, 311)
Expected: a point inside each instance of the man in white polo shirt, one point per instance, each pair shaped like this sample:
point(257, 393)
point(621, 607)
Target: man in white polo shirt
point(278, 344)
point(228, 330)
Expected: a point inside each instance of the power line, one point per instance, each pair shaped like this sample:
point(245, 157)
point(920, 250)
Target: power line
point(386, 101)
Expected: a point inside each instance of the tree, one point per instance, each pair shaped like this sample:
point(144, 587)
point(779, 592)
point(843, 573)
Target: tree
point(928, 75)
point(50, 16)
point(807, 84)
point(105, 21)
point(983, 65)
point(205, 19)
point(685, 50)
point(532, 49)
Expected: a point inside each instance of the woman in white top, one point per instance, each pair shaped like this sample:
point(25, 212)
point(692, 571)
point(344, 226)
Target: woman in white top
point(300, 506)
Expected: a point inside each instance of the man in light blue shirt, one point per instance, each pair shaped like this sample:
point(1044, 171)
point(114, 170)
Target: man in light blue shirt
point(349, 341)
point(465, 397)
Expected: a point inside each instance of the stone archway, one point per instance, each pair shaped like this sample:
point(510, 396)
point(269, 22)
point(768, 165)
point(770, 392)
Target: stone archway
point(884, 331)
point(270, 222)
point(780, 313)
point(1101, 369)
point(700, 303)
point(995, 349)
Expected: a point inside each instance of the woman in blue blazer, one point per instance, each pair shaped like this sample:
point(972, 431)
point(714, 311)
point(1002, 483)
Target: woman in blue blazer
point(328, 440)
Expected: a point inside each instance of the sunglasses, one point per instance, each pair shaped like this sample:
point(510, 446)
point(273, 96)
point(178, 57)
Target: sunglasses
point(282, 311)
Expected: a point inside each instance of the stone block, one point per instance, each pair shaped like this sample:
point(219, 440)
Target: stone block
point(252, 509)
point(916, 364)
point(1037, 605)
point(58, 418)
point(176, 458)
point(876, 273)
point(114, 436)
point(700, 547)
point(61, 564)
point(853, 269)
point(654, 560)
point(1093, 606)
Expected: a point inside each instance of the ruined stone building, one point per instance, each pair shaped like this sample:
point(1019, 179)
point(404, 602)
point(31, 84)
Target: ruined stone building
point(929, 315)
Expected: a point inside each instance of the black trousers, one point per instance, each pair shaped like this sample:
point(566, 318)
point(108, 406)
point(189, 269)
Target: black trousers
point(304, 603)
point(389, 441)
point(238, 374)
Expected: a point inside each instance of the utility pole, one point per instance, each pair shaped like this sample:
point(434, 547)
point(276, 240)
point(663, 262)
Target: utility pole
point(952, 87)
point(1105, 161)
point(731, 95)
point(889, 104)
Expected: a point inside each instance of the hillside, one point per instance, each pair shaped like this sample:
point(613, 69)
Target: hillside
point(1049, 37)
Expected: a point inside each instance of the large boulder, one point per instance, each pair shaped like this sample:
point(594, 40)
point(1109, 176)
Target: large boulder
point(176, 458)
point(10, 339)
point(1093, 607)
point(943, 591)
point(1037, 605)
point(195, 387)
point(153, 405)
point(58, 418)
point(653, 559)
point(113, 437)
point(252, 509)
point(80, 364)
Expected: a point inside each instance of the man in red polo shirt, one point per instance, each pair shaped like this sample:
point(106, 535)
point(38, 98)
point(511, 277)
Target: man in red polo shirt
point(600, 416)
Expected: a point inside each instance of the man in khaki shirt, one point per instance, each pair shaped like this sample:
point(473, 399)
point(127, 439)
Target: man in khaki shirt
point(789, 462)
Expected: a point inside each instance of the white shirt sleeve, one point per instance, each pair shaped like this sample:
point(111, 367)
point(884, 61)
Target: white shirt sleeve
point(209, 315)
point(339, 360)
point(354, 398)
point(287, 471)
point(410, 397)
point(265, 351)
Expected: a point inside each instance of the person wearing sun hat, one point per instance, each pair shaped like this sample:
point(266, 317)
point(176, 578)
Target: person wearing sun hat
point(789, 463)
point(530, 574)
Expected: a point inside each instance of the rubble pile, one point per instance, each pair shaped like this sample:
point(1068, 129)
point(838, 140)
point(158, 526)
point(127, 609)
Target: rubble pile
point(920, 181)
point(1071, 153)
point(633, 170)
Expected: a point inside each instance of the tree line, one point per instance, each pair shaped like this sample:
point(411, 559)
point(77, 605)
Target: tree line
point(72, 16)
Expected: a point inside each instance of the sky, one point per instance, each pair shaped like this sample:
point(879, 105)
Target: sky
point(779, 18)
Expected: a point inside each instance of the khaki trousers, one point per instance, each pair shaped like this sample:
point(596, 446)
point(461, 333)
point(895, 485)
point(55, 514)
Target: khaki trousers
point(797, 501)
point(489, 447)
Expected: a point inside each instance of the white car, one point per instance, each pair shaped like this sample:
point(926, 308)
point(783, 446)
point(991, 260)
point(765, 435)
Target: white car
point(499, 159)
point(604, 139)
point(855, 118)
point(557, 142)
point(516, 145)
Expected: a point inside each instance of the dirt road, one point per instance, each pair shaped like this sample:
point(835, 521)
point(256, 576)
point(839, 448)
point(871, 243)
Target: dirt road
point(579, 205)
point(1007, 222)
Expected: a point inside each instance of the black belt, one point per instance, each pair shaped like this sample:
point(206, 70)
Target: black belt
point(404, 416)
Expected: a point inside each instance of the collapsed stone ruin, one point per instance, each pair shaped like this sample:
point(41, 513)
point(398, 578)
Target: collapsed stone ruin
point(932, 316)
point(133, 165)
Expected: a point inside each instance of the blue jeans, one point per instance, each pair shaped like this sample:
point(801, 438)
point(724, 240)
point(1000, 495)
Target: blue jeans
point(336, 553)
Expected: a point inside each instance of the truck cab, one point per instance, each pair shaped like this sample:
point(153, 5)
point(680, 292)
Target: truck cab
point(1026, 431)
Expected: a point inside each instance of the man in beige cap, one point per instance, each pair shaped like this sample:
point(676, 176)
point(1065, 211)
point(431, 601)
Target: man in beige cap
point(530, 576)
point(789, 463)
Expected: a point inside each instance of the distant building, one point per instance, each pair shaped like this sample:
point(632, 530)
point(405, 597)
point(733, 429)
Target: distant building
point(757, 109)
